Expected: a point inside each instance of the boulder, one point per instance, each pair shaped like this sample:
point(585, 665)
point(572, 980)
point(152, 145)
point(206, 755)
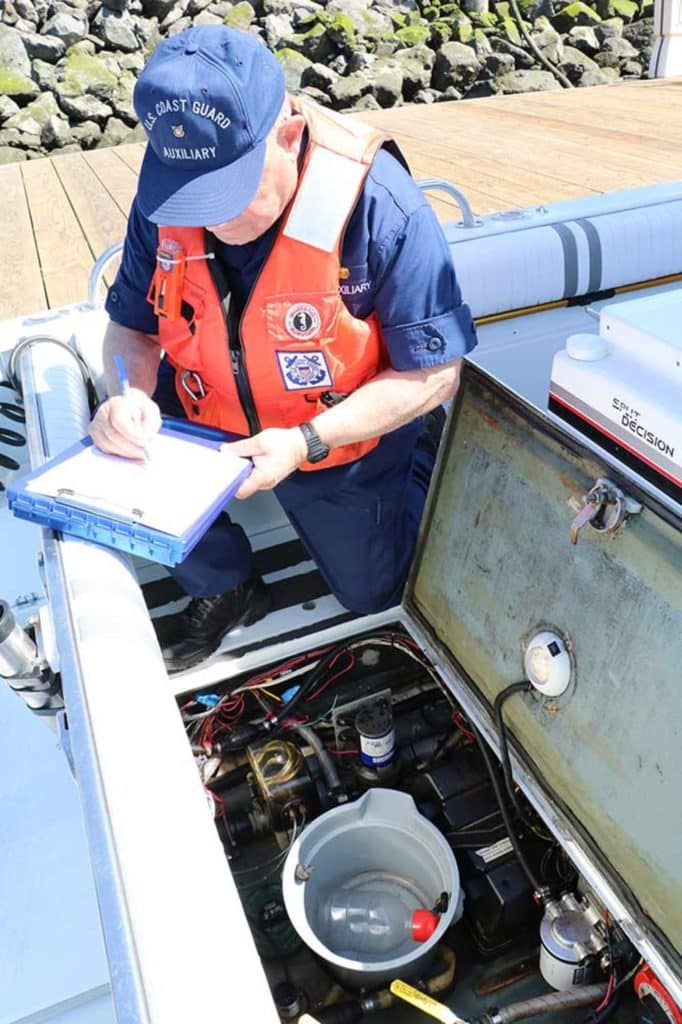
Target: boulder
point(367, 102)
point(132, 61)
point(450, 94)
point(640, 34)
point(242, 15)
point(117, 30)
point(122, 99)
point(576, 13)
point(33, 117)
point(277, 28)
point(45, 74)
point(27, 10)
point(84, 74)
point(584, 38)
point(318, 76)
point(84, 108)
point(9, 15)
point(158, 8)
point(413, 35)
point(206, 18)
point(522, 58)
point(9, 137)
point(87, 134)
point(612, 28)
point(17, 86)
point(575, 63)
point(625, 9)
point(599, 77)
point(388, 84)
point(55, 133)
point(499, 63)
point(48, 48)
point(456, 65)
point(527, 81)
point(317, 95)
point(277, 7)
point(293, 66)
point(549, 43)
point(7, 108)
point(24, 124)
point(13, 55)
point(10, 155)
point(147, 31)
point(481, 90)
point(69, 27)
point(347, 92)
point(114, 134)
point(416, 64)
point(614, 51)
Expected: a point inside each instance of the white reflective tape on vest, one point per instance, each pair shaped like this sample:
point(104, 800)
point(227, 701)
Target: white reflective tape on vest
point(330, 186)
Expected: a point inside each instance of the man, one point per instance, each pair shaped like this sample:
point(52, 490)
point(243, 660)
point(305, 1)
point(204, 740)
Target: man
point(303, 294)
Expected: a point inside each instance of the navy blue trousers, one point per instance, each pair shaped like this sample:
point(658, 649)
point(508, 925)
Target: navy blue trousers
point(359, 522)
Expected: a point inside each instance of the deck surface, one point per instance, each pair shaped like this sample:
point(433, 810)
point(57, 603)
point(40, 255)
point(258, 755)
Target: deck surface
point(58, 214)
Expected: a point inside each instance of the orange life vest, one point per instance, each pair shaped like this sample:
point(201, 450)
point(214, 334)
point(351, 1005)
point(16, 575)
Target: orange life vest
point(297, 348)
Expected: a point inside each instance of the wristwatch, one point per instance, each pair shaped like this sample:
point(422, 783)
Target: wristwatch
point(317, 449)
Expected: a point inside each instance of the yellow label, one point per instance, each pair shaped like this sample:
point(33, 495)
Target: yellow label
point(423, 1002)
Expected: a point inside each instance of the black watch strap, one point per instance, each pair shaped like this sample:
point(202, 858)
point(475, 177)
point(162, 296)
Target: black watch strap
point(317, 449)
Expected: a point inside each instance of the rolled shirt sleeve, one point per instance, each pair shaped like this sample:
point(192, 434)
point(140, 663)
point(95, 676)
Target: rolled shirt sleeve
point(417, 298)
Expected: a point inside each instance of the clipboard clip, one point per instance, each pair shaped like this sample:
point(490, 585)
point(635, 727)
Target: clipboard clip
point(98, 502)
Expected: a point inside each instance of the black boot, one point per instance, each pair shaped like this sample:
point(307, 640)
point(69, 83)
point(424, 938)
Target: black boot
point(206, 620)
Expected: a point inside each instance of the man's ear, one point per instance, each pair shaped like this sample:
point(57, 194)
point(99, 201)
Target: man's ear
point(290, 133)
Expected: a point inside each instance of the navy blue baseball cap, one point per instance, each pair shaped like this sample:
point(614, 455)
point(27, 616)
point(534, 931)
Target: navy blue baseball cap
point(207, 99)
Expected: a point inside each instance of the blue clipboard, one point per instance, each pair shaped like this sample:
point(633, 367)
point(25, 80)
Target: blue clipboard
point(122, 532)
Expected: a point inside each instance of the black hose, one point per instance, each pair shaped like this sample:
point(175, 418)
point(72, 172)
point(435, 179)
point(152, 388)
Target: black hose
point(504, 695)
point(508, 824)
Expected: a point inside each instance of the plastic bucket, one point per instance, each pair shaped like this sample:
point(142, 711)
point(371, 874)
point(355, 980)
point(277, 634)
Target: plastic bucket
point(380, 842)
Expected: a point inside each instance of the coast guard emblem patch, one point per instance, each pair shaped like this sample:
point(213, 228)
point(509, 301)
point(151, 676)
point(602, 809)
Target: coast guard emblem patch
point(302, 370)
point(302, 321)
point(178, 130)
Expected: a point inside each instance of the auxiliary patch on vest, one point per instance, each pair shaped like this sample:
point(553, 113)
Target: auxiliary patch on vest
point(304, 370)
point(302, 321)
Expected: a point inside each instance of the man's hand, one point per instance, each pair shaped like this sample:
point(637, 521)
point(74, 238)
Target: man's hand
point(125, 423)
point(276, 453)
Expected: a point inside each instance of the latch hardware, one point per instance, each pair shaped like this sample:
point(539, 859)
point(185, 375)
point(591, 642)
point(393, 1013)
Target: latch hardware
point(605, 508)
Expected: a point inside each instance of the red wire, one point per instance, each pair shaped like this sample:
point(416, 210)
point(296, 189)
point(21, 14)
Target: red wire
point(285, 666)
point(609, 992)
point(341, 753)
point(337, 675)
point(459, 722)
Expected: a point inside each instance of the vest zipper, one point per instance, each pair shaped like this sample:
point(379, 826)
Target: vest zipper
point(234, 342)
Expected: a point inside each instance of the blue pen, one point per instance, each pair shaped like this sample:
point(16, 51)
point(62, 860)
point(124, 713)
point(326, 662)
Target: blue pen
point(124, 385)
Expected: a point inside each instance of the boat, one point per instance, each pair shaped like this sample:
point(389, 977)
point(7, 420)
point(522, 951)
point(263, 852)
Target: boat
point(549, 557)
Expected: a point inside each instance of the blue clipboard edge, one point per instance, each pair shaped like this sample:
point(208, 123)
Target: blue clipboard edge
point(100, 528)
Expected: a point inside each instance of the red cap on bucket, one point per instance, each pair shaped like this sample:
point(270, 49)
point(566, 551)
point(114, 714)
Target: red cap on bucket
point(424, 924)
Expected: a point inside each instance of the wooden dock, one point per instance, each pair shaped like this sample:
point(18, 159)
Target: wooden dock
point(58, 214)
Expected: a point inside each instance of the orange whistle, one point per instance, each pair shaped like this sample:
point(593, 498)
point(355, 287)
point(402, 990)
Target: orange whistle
point(165, 291)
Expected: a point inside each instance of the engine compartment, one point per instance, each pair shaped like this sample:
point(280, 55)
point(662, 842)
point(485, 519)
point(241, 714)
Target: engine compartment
point(293, 743)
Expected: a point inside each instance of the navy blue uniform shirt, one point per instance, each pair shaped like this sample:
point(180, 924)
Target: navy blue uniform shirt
point(396, 257)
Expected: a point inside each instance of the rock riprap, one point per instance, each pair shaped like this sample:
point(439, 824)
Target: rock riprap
point(68, 67)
